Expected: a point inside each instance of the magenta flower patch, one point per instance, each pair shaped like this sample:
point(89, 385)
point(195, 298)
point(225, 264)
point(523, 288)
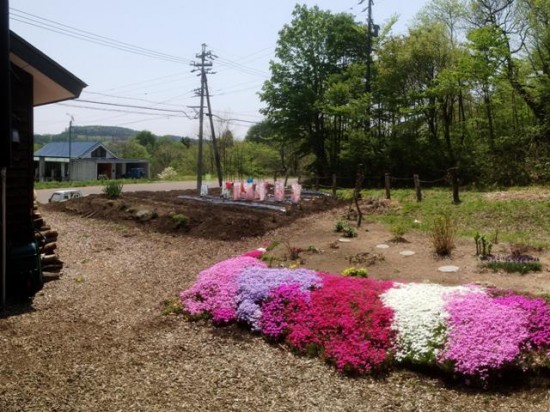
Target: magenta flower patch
point(362, 325)
point(483, 335)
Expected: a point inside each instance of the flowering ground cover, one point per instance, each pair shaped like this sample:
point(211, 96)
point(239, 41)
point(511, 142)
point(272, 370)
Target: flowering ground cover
point(363, 325)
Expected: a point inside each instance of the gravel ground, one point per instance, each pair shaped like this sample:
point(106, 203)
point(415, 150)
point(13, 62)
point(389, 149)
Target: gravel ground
point(95, 340)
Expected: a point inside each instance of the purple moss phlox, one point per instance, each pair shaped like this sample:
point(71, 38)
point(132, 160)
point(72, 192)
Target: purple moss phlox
point(255, 284)
point(215, 290)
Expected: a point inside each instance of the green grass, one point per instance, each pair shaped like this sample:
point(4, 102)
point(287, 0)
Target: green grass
point(85, 183)
point(517, 221)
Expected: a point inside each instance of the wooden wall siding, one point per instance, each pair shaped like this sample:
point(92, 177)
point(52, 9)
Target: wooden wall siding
point(20, 175)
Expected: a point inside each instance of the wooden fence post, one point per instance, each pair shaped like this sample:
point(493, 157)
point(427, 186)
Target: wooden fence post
point(334, 184)
point(387, 185)
point(453, 171)
point(416, 179)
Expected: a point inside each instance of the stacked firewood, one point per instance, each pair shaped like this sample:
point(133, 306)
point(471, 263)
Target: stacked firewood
point(46, 238)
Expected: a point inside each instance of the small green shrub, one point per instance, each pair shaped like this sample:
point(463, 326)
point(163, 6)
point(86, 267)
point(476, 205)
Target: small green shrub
point(517, 262)
point(293, 251)
point(514, 267)
point(350, 231)
point(313, 249)
point(443, 234)
point(272, 246)
point(172, 306)
point(346, 229)
point(355, 272)
point(181, 221)
point(168, 173)
point(269, 259)
point(112, 189)
point(398, 230)
point(483, 245)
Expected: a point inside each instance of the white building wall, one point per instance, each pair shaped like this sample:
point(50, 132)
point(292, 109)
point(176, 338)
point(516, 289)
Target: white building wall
point(82, 169)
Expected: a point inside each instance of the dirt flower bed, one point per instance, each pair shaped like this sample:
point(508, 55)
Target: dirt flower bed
point(163, 212)
point(97, 339)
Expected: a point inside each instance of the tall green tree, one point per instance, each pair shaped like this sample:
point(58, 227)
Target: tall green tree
point(314, 46)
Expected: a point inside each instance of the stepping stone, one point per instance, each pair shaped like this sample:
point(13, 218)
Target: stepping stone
point(344, 240)
point(407, 253)
point(382, 246)
point(448, 269)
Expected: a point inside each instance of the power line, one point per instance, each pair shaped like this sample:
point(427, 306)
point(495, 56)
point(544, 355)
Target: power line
point(122, 111)
point(60, 28)
point(233, 119)
point(169, 112)
point(129, 98)
point(134, 107)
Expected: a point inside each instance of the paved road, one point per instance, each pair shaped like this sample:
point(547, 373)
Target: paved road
point(44, 194)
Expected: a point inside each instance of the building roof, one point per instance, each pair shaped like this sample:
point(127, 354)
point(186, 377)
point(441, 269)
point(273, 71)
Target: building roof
point(51, 82)
point(61, 149)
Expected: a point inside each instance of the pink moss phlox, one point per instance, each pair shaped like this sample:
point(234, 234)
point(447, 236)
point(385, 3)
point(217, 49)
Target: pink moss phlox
point(281, 307)
point(538, 315)
point(483, 335)
point(215, 289)
point(347, 321)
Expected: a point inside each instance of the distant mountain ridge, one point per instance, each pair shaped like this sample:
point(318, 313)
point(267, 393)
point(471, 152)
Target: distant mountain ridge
point(93, 133)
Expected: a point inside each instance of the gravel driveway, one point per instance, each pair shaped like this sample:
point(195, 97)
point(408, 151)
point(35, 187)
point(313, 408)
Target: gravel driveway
point(95, 340)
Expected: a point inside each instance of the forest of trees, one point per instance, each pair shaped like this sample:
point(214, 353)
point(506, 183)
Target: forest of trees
point(239, 159)
point(467, 86)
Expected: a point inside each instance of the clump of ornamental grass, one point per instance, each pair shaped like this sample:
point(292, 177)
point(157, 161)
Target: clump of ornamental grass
point(293, 252)
point(112, 189)
point(443, 234)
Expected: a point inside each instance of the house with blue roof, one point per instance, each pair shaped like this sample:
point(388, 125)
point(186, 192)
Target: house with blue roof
point(83, 161)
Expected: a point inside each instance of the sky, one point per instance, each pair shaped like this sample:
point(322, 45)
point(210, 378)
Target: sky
point(137, 54)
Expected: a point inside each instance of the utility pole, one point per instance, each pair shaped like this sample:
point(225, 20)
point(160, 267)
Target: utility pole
point(70, 143)
point(369, 47)
point(372, 31)
point(214, 143)
point(205, 62)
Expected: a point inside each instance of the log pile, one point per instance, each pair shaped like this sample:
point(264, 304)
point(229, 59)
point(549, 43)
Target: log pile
point(46, 238)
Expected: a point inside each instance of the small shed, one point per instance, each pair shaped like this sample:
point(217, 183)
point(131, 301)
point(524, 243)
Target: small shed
point(82, 161)
point(34, 79)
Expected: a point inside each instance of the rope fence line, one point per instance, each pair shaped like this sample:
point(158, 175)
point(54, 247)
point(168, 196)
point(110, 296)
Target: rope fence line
point(442, 179)
point(401, 178)
point(451, 177)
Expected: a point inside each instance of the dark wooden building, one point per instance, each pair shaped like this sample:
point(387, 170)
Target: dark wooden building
point(34, 80)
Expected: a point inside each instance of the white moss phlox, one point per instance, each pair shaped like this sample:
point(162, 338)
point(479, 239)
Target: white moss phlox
point(420, 318)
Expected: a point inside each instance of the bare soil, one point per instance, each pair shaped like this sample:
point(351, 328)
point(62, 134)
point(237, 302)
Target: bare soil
point(96, 339)
point(322, 247)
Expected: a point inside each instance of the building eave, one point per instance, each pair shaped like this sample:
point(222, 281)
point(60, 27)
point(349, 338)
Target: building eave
point(52, 83)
